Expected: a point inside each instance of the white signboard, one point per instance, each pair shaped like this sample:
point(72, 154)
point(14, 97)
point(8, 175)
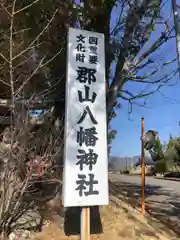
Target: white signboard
point(86, 165)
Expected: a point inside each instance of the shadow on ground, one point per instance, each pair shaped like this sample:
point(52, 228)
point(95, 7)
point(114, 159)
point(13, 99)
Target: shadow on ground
point(166, 208)
point(72, 221)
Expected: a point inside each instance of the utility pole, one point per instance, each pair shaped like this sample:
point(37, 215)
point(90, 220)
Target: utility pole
point(126, 163)
point(142, 169)
point(177, 30)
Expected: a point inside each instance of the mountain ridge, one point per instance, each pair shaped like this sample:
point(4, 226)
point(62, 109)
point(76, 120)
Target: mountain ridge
point(116, 162)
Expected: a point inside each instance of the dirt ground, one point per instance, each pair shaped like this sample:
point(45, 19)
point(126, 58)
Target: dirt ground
point(116, 222)
point(117, 225)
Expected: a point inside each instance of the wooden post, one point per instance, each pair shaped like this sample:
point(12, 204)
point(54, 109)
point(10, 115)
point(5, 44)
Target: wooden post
point(85, 223)
point(142, 169)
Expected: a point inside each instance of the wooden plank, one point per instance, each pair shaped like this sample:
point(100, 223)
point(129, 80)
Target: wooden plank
point(31, 104)
point(7, 121)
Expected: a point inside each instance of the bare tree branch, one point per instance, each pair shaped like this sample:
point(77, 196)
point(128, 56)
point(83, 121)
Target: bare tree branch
point(39, 66)
point(4, 82)
point(11, 53)
point(31, 45)
point(29, 78)
point(26, 7)
point(5, 9)
point(5, 59)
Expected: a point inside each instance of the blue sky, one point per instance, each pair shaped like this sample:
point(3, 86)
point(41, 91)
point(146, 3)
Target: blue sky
point(163, 109)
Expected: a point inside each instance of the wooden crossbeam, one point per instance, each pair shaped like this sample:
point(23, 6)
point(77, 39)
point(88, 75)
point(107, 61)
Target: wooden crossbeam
point(30, 104)
point(7, 121)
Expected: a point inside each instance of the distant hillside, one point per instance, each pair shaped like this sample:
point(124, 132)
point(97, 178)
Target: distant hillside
point(123, 162)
